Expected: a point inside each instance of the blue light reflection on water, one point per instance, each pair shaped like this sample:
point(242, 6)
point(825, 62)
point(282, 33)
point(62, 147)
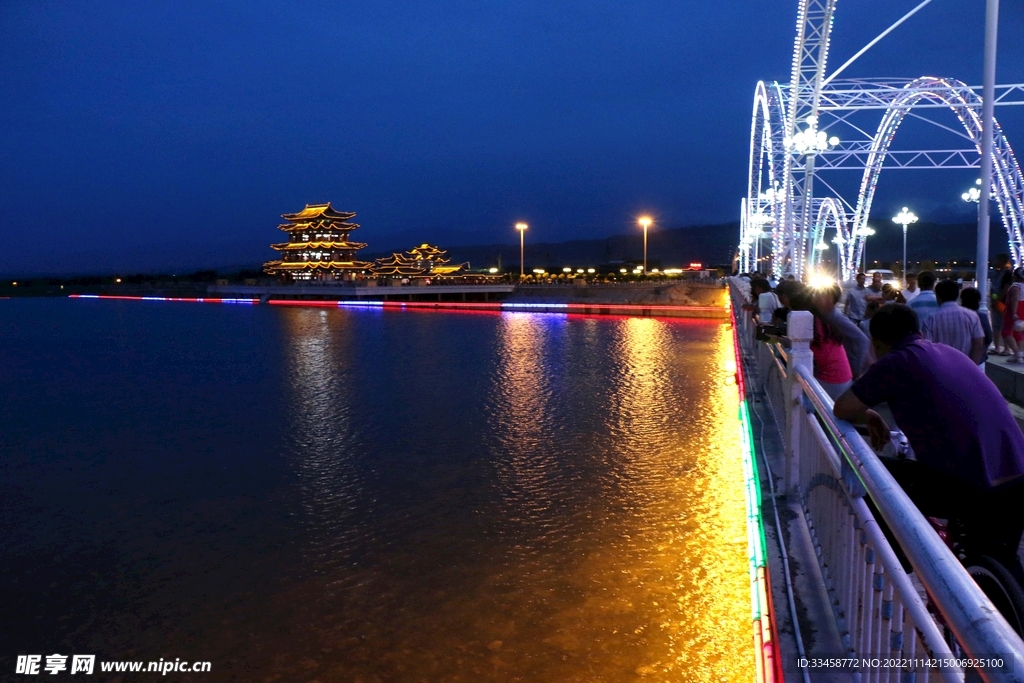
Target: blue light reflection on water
point(331, 494)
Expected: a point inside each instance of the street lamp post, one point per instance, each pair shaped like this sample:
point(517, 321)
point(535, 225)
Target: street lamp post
point(904, 218)
point(974, 195)
point(521, 227)
point(645, 222)
point(987, 138)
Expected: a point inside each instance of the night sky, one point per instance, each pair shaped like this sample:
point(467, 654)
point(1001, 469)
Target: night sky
point(161, 135)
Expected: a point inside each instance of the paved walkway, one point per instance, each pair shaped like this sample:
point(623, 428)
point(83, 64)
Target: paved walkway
point(1009, 379)
point(813, 607)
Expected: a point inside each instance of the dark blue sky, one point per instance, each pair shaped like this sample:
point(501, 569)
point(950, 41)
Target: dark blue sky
point(162, 134)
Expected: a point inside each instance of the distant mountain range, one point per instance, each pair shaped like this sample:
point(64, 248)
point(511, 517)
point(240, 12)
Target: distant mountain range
point(673, 247)
point(939, 243)
point(715, 245)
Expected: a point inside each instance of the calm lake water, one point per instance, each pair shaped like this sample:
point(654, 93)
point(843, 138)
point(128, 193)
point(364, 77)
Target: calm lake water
point(360, 495)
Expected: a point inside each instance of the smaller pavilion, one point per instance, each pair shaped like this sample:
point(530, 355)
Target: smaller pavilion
point(422, 262)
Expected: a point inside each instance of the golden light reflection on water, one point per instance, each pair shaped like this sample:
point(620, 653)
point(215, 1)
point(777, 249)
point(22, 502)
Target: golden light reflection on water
point(658, 584)
point(615, 545)
point(525, 470)
point(319, 427)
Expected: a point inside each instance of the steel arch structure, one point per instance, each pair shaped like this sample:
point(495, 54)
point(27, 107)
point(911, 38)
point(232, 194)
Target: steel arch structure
point(786, 162)
point(832, 216)
point(966, 104)
point(763, 205)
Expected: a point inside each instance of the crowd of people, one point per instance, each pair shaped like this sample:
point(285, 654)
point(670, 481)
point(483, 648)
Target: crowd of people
point(946, 314)
point(921, 350)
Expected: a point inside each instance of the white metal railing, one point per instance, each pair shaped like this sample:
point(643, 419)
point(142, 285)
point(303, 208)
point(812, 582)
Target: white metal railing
point(830, 470)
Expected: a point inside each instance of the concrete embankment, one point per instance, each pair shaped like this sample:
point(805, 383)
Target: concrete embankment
point(676, 300)
point(672, 300)
point(668, 294)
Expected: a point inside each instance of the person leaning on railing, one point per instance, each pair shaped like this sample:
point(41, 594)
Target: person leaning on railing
point(969, 449)
point(758, 286)
point(833, 365)
point(855, 342)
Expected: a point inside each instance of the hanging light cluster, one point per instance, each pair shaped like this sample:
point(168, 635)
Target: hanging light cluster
point(810, 140)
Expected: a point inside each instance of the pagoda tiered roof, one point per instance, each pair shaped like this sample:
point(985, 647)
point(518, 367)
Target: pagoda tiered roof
point(313, 265)
point(425, 252)
point(322, 211)
point(396, 264)
point(318, 225)
point(448, 269)
point(290, 246)
point(420, 261)
point(318, 217)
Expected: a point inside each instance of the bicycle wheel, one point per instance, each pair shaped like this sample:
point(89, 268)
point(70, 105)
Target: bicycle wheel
point(1001, 587)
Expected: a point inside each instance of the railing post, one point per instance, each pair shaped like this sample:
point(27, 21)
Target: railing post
point(800, 330)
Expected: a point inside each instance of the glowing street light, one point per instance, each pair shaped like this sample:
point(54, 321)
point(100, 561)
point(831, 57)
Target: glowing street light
point(521, 227)
point(645, 222)
point(973, 194)
point(904, 218)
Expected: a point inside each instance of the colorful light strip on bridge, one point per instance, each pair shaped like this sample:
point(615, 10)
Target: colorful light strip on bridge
point(202, 300)
point(767, 657)
point(495, 306)
point(647, 309)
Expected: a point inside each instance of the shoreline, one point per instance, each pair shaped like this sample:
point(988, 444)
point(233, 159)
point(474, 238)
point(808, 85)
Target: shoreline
point(563, 308)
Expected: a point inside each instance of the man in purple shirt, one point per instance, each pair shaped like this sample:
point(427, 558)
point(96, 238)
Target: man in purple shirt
point(969, 449)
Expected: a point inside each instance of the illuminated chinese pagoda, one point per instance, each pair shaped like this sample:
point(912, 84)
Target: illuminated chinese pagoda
point(318, 248)
point(423, 261)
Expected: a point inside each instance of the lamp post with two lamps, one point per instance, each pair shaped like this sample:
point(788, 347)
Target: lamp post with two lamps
point(904, 218)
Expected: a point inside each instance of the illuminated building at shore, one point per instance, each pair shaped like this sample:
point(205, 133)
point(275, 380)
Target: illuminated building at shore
point(318, 248)
point(423, 261)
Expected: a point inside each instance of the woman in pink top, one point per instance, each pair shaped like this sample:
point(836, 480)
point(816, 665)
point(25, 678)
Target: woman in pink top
point(831, 365)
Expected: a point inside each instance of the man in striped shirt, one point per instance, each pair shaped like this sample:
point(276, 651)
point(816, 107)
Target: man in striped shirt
point(954, 325)
point(924, 304)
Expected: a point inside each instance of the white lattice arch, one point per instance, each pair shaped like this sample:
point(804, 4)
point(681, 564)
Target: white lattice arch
point(767, 163)
point(1007, 180)
point(832, 217)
